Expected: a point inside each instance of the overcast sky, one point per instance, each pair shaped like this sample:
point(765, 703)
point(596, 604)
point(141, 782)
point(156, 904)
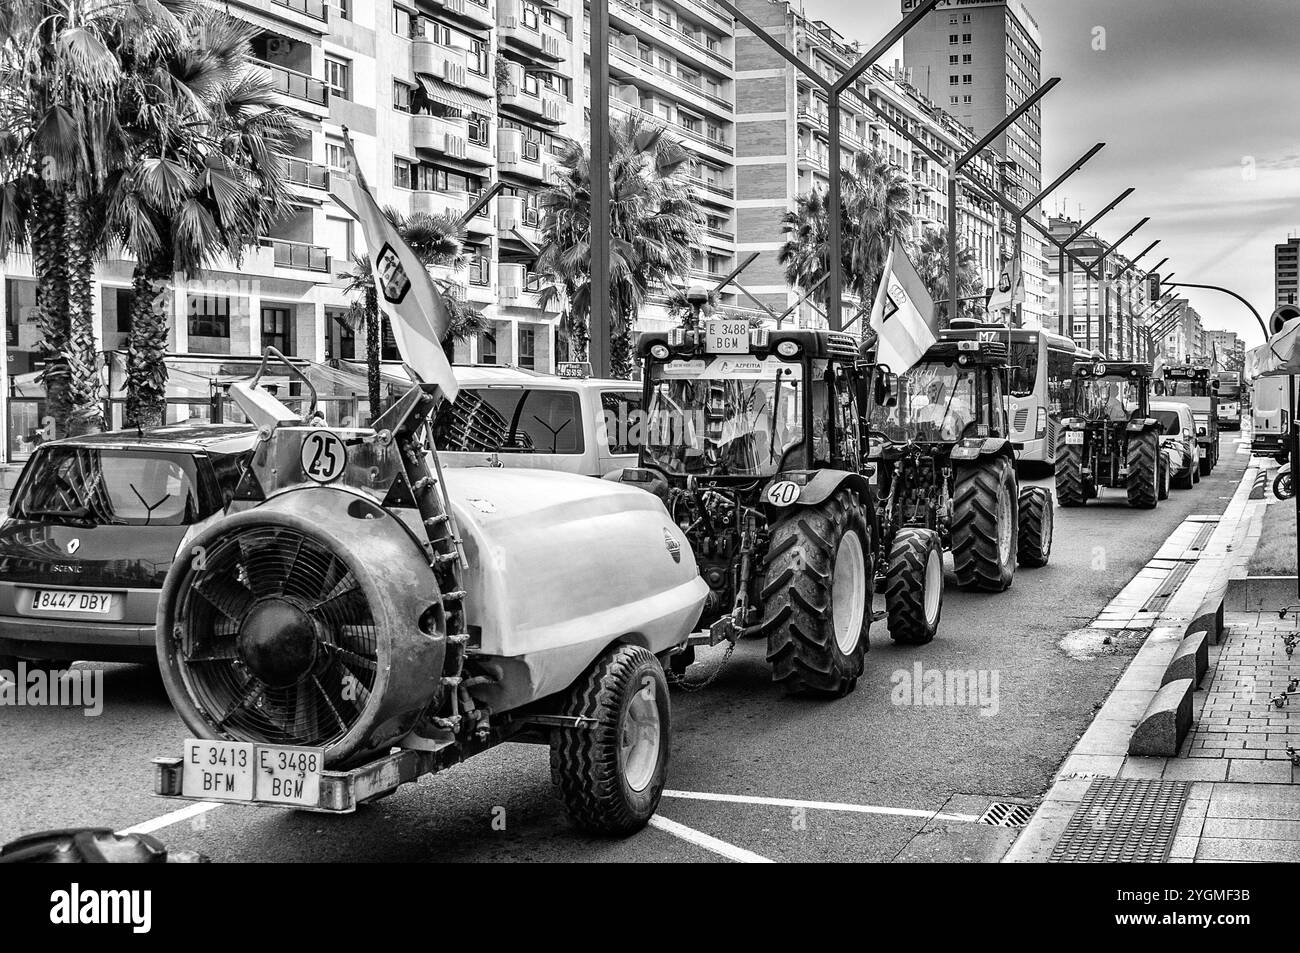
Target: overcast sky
point(1197, 102)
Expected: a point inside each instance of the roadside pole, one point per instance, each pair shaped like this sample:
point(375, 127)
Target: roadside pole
point(598, 329)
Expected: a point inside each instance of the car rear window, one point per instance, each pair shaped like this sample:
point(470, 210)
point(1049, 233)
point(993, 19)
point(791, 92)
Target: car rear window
point(512, 420)
point(622, 410)
point(1168, 420)
point(109, 487)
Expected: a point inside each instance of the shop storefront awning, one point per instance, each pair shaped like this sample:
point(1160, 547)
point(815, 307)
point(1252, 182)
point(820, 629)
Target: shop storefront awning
point(454, 97)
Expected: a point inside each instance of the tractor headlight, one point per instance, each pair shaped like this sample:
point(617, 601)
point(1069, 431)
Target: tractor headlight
point(659, 352)
point(788, 348)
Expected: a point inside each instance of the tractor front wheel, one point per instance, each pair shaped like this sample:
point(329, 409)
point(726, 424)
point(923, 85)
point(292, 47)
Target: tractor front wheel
point(1069, 476)
point(984, 526)
point(816, 593)
point(1035, 537)
point(1144, 470)
point(611, 772)
point(914, 586)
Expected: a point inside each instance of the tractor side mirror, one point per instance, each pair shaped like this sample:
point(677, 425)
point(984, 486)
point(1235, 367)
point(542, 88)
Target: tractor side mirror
point(884, 386)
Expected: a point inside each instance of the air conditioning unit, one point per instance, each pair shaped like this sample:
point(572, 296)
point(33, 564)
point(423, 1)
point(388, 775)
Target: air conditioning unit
point(510, 292)
point(278, 46)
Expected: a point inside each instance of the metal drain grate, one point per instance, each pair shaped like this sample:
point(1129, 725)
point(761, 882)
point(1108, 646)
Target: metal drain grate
point(1168, 587)
point(1202, 536)
point(1003, 814)
point(1128, 821)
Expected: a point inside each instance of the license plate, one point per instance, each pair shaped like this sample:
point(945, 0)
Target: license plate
point(241, 771)
point(1074, 438)
point(727, 337)
point(67, 600)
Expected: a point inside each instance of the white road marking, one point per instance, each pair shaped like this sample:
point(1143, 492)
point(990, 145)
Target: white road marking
point(707, 841)
point(821, 805)
point(175, 817)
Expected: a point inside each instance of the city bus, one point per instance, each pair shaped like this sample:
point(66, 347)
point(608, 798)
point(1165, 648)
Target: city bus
point(1039, 383)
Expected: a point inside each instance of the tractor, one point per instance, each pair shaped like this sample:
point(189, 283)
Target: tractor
point(753, 439)
point(1198, 388)
point(1113, 441)
point(945, 463)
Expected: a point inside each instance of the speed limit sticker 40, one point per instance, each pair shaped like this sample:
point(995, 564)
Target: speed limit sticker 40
point(783, 493)
point(324, 457)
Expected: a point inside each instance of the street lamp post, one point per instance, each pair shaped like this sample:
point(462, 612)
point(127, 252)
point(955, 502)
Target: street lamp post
point(598, 330)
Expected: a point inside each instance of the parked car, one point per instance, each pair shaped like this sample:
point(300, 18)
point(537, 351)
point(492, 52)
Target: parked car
point(510, 417)
point(1178, 442)
point(93, 525)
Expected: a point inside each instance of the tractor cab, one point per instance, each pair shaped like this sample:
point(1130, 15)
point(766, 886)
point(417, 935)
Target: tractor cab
point(952, 398)
point(1111, 391)
point(739, 404)
point(1198, 388)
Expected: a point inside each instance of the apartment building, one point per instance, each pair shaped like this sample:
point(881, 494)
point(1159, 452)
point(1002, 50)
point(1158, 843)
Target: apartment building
point(780, 113)
point(1106, 310)
point(1286, 272)
point(1184, 341)
point(978, 60)
point(1227, 348)
point(441, 99)
point(672, 62)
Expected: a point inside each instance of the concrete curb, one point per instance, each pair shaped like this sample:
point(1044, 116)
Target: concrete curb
point(1191, 661)
point(1166, 721)
point(1196, 607)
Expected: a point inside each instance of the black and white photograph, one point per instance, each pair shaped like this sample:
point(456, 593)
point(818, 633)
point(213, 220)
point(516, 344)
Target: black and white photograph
point(649, 432)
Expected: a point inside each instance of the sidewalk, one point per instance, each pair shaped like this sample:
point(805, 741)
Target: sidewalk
point(1232, 793)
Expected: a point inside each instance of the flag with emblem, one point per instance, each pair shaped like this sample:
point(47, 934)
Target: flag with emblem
point(903, 314)
point(405, 290)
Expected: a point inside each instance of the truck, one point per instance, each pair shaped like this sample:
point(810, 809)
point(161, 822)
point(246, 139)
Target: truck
point(1112, 440)
point(1198, 388)
point(753, 438)
point(1270, 417)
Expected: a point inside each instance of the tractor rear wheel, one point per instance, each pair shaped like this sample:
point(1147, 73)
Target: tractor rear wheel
point(1144, 470)
point(816, 593)
point(1035, 537)
point(984, 527)
point(914, 586)
point(1069, 476)
point(612, 774)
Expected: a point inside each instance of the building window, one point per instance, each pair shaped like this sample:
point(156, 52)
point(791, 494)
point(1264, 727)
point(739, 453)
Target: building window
point(480, 271)
point(275, 329)
point(402, 178)
point(342, 9)
point(531, 15)
point(401, 96)
point(334, 153)
point(478, 129)
point(952, 80)
point(340, 330)
point(487, 348)
point(338, 238)
point(952, 60)
point(967, 100)
point(953, 100)
point(403, 21)
point(967, 79)
point(209, 316)
point(952, 39)
point(477, 61)
point(967, 58)
point(965, 38)
point(338, 77)
point(527, 358)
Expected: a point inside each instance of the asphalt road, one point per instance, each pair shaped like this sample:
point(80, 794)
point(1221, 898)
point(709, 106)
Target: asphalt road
point(873, 772)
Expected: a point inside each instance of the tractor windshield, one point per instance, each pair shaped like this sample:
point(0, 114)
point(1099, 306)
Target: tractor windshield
point(1106, 398)
point(723, 416)
point(933, 403)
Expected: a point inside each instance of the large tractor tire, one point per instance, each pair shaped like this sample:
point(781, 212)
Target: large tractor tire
point(1034, 541)
point(984, 526)
point(816, 593)
point(1069, 476)
point(914, 586)
point(1144, 470)
point(612, 775)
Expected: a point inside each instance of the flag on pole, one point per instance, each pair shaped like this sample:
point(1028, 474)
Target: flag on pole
point(1010, 288)
point(405, 290)
point(903, 314)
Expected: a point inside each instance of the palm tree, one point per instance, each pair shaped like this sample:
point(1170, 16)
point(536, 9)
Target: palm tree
point(875, 211)
point(932, 265)
point(204, 176)
point(58, 143)
point(438, 240)
point(654, 222)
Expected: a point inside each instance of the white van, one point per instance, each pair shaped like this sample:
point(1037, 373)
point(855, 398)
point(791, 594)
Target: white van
point(509, 417)
point(1269, 416)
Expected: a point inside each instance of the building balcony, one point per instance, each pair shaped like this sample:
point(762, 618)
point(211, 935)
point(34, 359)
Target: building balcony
point(719, 236)
point(479, 13)
point(630, 13)
point(439, 135)
point(305, 175)
point(434, 59)
point(811, 119)
point(696, 136)
point(517, 220)
point(543, 106)
point(519, 156)
point(712, 191)
point(810, 161)
point(541, 40)
point(630, 64)
point(299, 88)
point(317, 10)
point(298, 256)
point(439, 203)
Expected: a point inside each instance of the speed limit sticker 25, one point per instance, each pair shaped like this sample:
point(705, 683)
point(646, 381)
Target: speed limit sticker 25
point(324, 457)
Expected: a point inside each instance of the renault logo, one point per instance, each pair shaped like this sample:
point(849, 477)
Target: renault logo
point(73, 546)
